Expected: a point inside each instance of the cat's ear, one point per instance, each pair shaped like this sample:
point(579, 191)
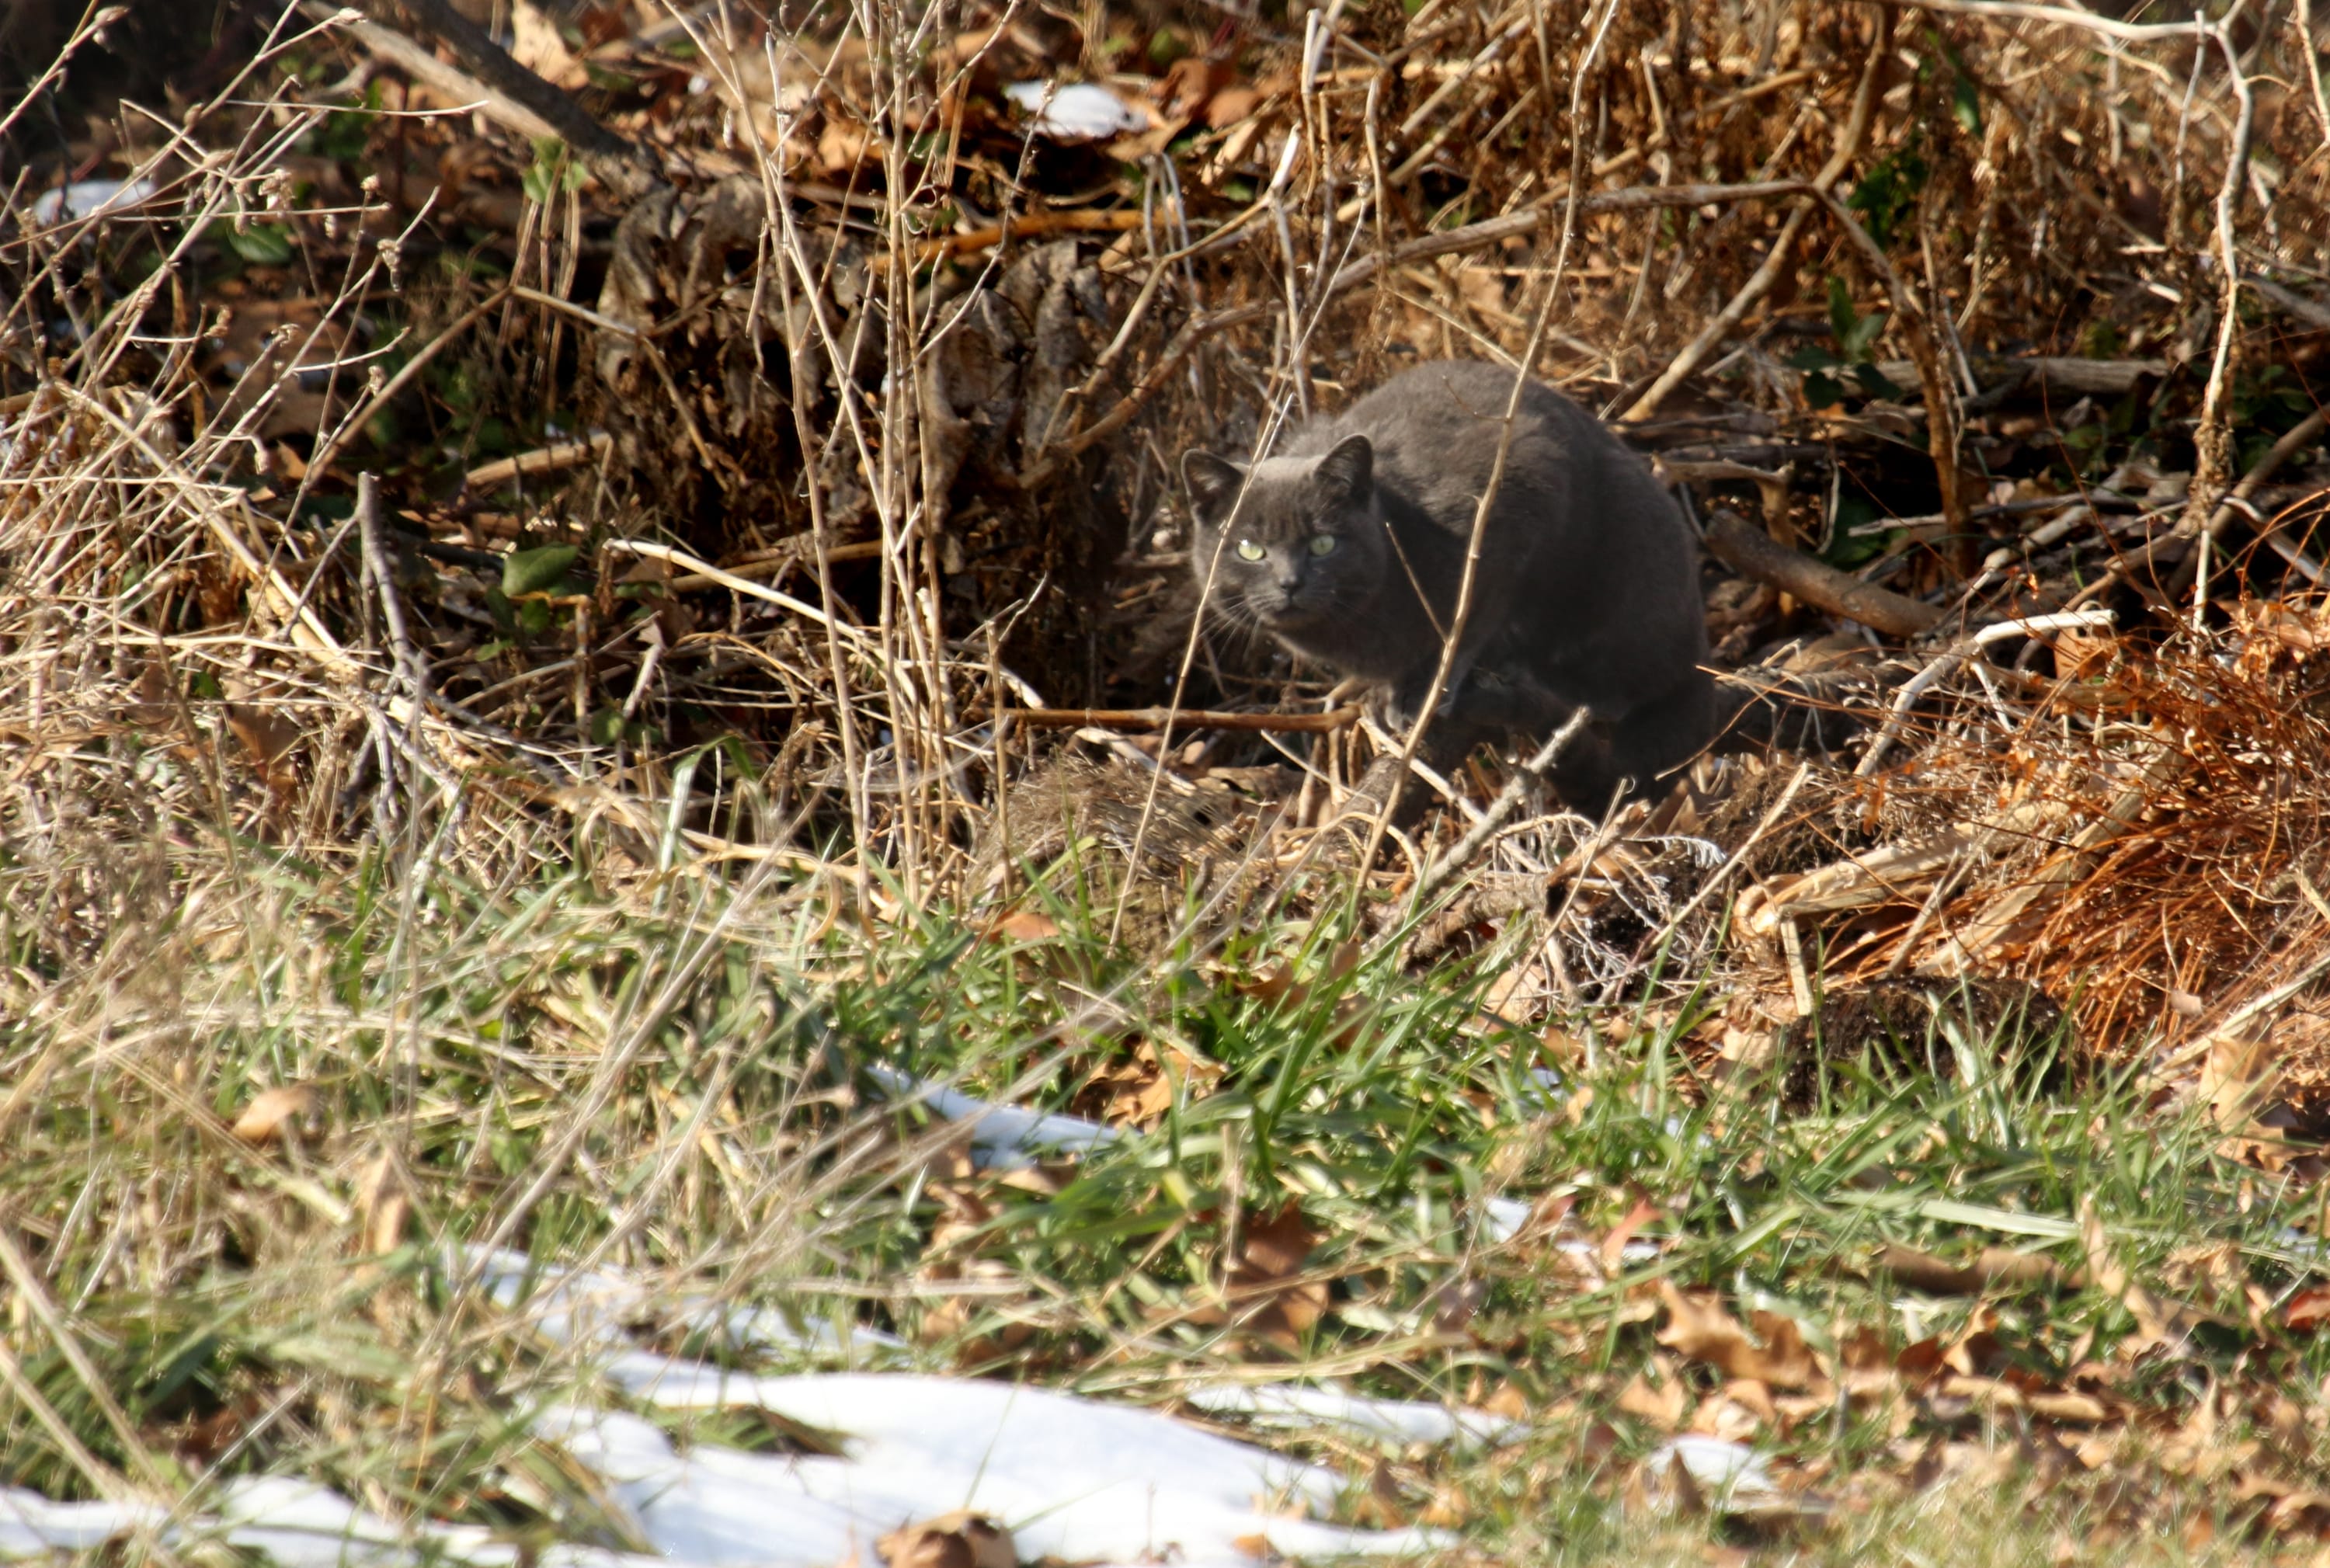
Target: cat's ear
point(1212, 484)
point(1349, 468)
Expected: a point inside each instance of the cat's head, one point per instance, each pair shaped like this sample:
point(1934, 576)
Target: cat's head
point(1291, 543)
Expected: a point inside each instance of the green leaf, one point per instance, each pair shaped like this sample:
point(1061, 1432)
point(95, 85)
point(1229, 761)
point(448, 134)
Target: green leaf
point(342, 1354)
point(1887, 192)
point(533, 618)
point(537, 571)
point(1874, 382)
point(1865, 334)
point(261, 244)
point(1842, 317)
point(1823, 391)
point(1846, 548)
point(1813, 356)
point(1965, 104)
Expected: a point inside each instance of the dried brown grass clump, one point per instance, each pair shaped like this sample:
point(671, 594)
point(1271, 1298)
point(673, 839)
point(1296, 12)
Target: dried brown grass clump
point(2141, 843)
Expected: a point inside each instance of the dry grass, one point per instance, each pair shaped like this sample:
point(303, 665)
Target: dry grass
point(576, 888)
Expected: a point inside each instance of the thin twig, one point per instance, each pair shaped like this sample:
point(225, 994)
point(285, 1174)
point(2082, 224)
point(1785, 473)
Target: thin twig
point(382, 569)
point(1179, 719)
point(1738, 859)
point(735, 584)
point(2212, 438)
point(330, 447)
point(1948, 663)
point(2304, 22)
point(1507, 802)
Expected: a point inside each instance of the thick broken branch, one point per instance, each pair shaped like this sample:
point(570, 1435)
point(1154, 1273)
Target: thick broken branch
point(1751, 554)
point(511, 95)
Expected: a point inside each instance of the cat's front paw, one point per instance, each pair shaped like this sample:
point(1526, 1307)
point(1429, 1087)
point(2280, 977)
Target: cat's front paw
point(1398, 710)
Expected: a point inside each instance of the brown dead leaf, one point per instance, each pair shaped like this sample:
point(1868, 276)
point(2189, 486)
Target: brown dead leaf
point(1993, 1267)
point(1698, 1328)
point(1276, 1247)
point(1231, 104)
point(541, 48)
point(1019, 925)
point(285, 1113)
point(955, 1540)
point(2082, 654)
point(2291, 1508)
point(1262, 1291)
point(1137, 1090)
point(1188, 83)
point(2158, 1321)
point(150, 706)
point(266, 735)
point(2238, 1079)
point(1754, 1397)
point(383, 1203)
point(2071, 1408)
point(1662, 1405)
point(2309, 1309)
point(1614, 1245)
point(1281, 986)
point(1865, 1349)
point(1978, 1352)
point(1734, 1420)
point(1918, 1362)
point(1507, 1401)
point(843, 144)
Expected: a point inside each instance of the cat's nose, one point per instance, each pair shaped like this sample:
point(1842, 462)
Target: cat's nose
point(1288, 584)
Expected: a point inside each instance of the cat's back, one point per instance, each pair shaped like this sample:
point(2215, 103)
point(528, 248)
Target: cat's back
point(1435, 429)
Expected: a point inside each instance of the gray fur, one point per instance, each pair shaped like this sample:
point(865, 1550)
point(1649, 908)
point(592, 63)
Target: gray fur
point(1587, 592)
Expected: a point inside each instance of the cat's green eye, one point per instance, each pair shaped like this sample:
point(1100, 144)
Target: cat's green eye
point(1322, 544)
point(1249, 551)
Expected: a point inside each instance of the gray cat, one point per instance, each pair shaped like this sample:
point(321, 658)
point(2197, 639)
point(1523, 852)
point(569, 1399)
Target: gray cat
point(1349, 547)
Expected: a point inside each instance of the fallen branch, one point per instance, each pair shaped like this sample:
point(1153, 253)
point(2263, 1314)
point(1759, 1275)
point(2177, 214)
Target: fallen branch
point(1027, 226)
point(1890, 872)
point(508, 94)
point(1183, 344)
point(1182, 719)
point(1752, 554)
point(330, 447)
point(2043, 374)
point(2170, 546)
point(541, 460)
